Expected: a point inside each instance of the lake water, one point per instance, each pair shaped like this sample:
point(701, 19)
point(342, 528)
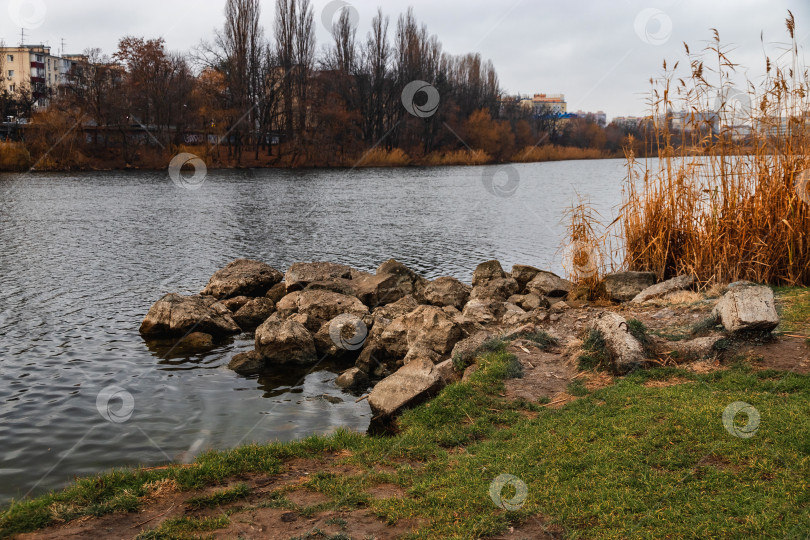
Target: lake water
point(83, 256)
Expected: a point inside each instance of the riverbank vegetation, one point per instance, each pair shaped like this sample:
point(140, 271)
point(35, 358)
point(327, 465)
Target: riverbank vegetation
point(740, 209)
point(647, 455)
point(256, 97)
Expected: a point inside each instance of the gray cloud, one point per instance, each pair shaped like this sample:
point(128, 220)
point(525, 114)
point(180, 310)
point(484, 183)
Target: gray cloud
point(588, 50)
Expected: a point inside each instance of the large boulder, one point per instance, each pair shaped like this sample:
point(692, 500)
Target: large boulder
point(658, 290)
point(549, 284)
point(409, 386)
point(431, 327)
point(496, 290)
point(177, 315)
point(338, 285)
point(285, 342)
point(624, 286)
point(482, 311)
point(299, 275)
point(625, 351)
point(382, 289)
point(747, 308)
point(401, 307)
point(447, 291)
point(408, 276)
point(487, 271)
point(342, 335)
point(242, 277)
point(319, 306)
point(254, 313)
point(277, 292)
point(524, 274)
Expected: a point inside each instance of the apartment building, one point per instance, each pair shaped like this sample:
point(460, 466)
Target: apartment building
point(36, 67)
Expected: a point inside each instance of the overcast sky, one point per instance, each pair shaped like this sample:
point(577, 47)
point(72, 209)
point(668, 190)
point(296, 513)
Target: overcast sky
point(599, 53)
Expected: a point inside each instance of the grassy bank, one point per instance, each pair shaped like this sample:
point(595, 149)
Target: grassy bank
point(634, 459)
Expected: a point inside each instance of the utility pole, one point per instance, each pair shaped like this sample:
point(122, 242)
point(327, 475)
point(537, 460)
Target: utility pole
point(22, 36)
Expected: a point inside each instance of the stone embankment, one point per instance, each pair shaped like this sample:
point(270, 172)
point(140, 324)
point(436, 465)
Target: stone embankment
point(413, 336)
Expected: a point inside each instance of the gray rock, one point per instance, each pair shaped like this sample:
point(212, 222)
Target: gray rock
point(693, 349)
point(625, 351)
point(447, 291)
point(299, 275)
point(417, 282)
point(234, 304)
point(514, 315)
point(285, 342)
point(352, 378)
point(320, 306)
point(277, 292)
point(498, 289)
point(431, 327)
point(747, 308)
point(624, 286)
point(249, 363)
point(480, 311)
point(549, 284)
point(658, 290)
point(487, 271)
point(447, 372)
point(242, 277)
point(524, 274)
point(467, 349)
point(254, 313)
point(338, 285)
point(409, 386)
point(176, 315)
point(383, 289)
point(401, 307)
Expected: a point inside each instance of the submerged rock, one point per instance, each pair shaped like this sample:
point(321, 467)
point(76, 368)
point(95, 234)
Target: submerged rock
point(176, 315)
point(352, 378)
point(249, 363)
point(242, 277)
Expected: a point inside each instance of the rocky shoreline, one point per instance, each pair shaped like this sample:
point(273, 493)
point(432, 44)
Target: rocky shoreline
point(409, 337)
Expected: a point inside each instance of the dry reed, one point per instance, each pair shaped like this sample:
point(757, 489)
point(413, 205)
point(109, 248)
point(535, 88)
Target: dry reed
point(728, 197)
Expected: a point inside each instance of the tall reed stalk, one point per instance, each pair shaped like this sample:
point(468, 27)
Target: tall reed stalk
point(728, 197)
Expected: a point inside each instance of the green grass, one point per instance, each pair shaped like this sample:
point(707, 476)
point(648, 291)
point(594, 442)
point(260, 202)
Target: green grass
point(218, 498)
point(625, 461)
point(181, 528)
point(595, 354)
point(793, 304)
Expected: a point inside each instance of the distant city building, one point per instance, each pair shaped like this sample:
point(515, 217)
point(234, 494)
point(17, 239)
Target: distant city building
point(627, 122)
point(544, 104)
point(599, 117)
point(36, 67)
